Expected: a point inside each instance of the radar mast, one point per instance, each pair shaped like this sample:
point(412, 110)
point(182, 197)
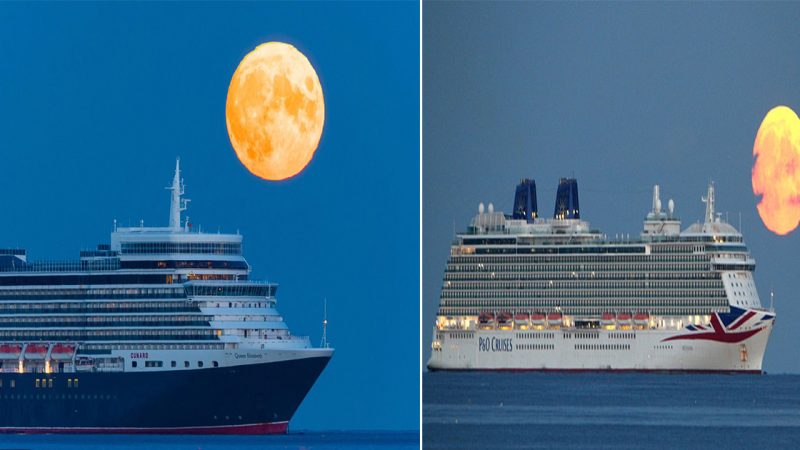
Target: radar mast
point(709, 201)
point(177, 204)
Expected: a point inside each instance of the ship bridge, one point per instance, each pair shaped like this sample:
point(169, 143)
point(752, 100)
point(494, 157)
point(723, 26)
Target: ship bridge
point(189, 254)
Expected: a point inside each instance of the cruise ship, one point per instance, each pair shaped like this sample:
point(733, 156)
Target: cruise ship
point(158, 330)
point(522, 292)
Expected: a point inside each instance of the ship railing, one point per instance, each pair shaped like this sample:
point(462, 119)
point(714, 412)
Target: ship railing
point(288, 339)
point(231, 282)
point(62, 266)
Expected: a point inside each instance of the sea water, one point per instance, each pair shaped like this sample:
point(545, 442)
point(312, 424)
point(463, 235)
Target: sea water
point(470, 410)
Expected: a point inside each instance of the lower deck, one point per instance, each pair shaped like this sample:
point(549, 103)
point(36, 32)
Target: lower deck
point(249, 398)
point(719, 347)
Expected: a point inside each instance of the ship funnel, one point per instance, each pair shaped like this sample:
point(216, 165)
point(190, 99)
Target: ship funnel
point(567, 200)
point(525, 201)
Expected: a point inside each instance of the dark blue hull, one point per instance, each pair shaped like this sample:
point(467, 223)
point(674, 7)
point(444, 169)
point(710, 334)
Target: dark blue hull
point(256, 398)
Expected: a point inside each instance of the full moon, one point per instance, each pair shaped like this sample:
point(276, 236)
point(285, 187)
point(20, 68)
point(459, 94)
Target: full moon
point(275, 111)
point(776, 170)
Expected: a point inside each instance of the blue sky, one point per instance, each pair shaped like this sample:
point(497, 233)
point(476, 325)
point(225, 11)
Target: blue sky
point(97, 100)
point(622, 95)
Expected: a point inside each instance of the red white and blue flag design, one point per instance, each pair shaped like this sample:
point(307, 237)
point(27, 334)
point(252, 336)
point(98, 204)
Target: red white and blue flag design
point(732, 327)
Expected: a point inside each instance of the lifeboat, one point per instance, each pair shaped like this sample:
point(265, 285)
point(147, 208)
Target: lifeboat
point(554, 320)
point(641, 319)
point(607, 320)
point(537, 320)
point(35, 351)
point(62, 351)
point(486, 320)
point(504, 320)
point(10, 351)
point(521, 320)
point(624, 320)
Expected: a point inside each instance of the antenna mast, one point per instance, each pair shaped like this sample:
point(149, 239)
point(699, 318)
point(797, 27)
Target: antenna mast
point(177, 204)
point(709, 201)
point(771, 300)
point(324, 342)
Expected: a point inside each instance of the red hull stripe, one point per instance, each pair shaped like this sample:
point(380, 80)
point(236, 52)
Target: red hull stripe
point(252, 428)
point(743, 319)
point(676, 371)
point(730, 338)
point(716, 325)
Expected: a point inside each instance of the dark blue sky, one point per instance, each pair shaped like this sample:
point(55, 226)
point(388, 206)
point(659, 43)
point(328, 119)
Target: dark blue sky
point(621, 95)
point(97, 100)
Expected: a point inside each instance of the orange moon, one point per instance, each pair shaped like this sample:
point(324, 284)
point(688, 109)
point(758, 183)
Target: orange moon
point(776, 170)
point(275, 111)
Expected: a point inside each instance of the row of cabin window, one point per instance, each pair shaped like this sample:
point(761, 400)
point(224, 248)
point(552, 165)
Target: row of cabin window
point(112, 319)
point(547, 276)
point(547, 268)
point(47, 383)
point(581, 284)
point(519, 258)
point(79, 306)
point(172, 364)
point(596, 301)
point(223, 248)
point(93, 293)
point(58, 397)
point(580, 293)
point(676, 311)
point(170, 346)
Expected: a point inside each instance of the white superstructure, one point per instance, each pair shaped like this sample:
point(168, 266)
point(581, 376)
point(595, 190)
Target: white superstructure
point(153, 299)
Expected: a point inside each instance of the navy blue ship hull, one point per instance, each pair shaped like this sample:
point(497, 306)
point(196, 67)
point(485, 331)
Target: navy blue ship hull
point(245, 399)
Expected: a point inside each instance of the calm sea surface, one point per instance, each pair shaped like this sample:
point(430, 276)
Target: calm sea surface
point(600, 411)
point(299, 441)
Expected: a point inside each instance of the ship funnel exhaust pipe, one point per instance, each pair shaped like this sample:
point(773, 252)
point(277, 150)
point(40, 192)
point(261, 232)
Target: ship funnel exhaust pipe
point(567, 200)
point(525, 201)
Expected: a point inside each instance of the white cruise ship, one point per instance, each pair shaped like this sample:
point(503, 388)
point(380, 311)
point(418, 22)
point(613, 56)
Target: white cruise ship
point(525, 293)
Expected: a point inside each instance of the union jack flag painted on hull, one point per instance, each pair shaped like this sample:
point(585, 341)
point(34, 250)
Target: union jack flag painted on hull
point(727, 327)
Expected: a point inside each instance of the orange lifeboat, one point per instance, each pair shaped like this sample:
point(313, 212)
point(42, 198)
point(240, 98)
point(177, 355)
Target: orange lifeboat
point(521, 320)
point(35, 351)
point(624, 320)
point(486, 320)
point(554, 319)
point(537, 320)
point(641, 319)
point(10, 351)
point(607, 320)
point(62, 352)
point(504, 320)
